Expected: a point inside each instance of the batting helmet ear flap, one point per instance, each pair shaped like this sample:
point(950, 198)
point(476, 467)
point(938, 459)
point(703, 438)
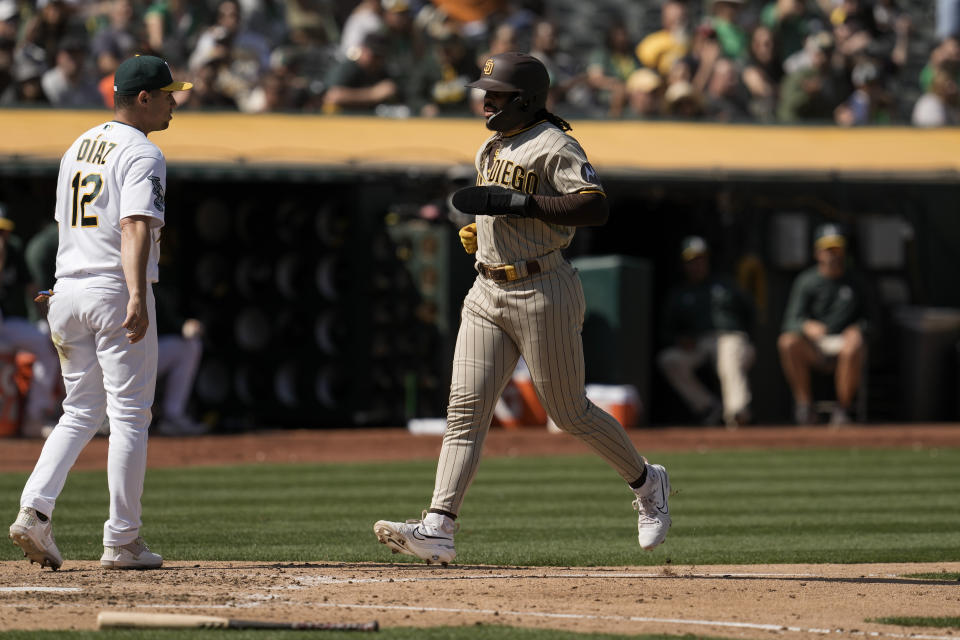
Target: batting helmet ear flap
point(526, 101)
point(512, 116)
point(521, 110)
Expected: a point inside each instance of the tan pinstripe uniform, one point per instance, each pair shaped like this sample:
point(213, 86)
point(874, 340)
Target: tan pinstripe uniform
point(538, 316)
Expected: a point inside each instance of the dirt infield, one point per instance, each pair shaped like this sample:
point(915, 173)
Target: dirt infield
point(782, 601)
point(755, 601)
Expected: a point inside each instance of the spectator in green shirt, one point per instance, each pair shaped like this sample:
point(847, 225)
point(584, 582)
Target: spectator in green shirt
point(609, 67)
point(824, 326)
point(707, 318)
point(724, 18)
point(946, 56)
point(791, 21)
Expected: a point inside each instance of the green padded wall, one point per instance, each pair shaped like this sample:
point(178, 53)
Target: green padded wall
point(617, 331)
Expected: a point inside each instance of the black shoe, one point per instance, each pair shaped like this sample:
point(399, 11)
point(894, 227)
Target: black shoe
point(711, 416)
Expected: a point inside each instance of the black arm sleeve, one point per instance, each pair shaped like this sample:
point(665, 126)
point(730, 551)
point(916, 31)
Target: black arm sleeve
point(572, 209)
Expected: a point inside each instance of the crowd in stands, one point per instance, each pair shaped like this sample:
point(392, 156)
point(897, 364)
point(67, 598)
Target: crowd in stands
point(851, 62)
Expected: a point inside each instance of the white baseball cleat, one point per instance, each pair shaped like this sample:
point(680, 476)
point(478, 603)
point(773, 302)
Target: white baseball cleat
point(34, 536)
point(651, 502)
point(133, 555)
point(415, 539)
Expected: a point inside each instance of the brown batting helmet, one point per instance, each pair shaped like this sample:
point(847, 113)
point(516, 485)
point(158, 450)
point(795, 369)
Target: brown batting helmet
point(518, 73)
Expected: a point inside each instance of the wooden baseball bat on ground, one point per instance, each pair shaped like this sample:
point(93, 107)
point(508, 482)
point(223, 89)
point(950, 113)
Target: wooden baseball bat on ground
point(135, 619)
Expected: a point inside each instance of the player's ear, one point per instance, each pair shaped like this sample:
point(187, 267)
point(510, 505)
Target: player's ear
point(143, 97)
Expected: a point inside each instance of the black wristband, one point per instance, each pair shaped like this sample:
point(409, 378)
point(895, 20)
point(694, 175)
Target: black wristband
point(491, 201)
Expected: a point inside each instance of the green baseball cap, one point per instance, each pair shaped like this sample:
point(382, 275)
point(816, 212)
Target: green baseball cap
point(829, 236)
point(6, 224)
point(145, 73)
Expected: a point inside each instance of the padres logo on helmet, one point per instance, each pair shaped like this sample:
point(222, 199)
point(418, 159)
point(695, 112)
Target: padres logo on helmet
point(517, 73)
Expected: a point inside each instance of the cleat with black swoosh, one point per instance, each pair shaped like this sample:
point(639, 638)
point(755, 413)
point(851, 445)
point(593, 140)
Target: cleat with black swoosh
point(415, 539)
point(651, 502)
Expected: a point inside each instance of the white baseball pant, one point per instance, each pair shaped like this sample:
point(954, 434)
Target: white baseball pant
point(103, 374)
point(541, 318)
point(733, 355)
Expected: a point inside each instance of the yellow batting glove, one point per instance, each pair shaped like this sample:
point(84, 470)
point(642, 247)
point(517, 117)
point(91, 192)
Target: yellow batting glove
point(468, 237)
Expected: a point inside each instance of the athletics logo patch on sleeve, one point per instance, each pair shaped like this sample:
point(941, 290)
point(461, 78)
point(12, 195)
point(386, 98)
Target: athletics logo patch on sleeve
point(157, 193)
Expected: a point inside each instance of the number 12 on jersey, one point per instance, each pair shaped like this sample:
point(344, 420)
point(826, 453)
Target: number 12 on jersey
point(85, 190)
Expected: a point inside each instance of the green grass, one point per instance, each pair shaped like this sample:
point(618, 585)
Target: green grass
point(730, 507)
point(912, 621)
point(942, 575)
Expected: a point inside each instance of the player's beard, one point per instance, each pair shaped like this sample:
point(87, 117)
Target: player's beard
point(490, 109)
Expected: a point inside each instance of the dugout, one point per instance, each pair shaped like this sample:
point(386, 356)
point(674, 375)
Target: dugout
point(317, 251)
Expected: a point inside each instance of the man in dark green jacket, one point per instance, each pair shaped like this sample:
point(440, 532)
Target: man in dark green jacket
point(824, 327)
point(708, 318)
point(811, 93)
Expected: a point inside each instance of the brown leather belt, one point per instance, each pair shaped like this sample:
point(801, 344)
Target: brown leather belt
point(508, 273)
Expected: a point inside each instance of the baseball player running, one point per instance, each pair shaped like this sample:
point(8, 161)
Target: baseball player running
point(534, 187)
point(110, 208)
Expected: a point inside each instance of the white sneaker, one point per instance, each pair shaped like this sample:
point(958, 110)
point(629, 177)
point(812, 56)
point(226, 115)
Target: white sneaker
point(803, 414)
point(415, 539)
point(35, 538)
point(839, 417)
point(651, 502)
point(133, 555)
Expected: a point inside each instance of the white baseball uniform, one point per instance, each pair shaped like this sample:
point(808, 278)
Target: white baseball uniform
point(538, 312)
point(109, 173)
